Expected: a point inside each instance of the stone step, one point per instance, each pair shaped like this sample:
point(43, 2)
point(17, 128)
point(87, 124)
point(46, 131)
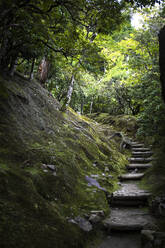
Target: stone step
point(142, 154)
point(139, 166)
point(141, 149)
point(140, 160)
point(130, 219)
point(131, 176)
point(137, 145)
point(129, 195)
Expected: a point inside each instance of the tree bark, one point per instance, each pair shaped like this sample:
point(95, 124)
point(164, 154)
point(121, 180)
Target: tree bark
point(82, 105)
point(91, 106)
point(13, 67)
point(32, 70)
point(162, 59)
point(43, 70)
point(69, 94)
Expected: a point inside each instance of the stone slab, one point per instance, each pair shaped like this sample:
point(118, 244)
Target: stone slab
point(131, 176)
point(137, 145)
point(129, 195)
point(141, 149)
point(130, 219)
point(139, 160)
point(139, 166)
point(121, 240)
point(142, 154)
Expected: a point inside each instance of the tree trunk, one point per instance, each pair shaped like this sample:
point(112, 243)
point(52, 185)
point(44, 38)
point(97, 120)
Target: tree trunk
point(82, 105)
point(69, 94)
point(43, 70)
point(13, 67)
point(32, 70)
point(162, 59)
point(91, 106)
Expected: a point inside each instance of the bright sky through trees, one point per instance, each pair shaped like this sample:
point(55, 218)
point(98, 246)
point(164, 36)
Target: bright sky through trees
point(136, 20)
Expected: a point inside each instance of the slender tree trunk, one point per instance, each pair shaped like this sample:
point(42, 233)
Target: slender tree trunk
point(32, 70)
point(13, 67)
point(4, 45)
point(82, 105)
point(69, 94)
point(43, 70)
point(91, 106)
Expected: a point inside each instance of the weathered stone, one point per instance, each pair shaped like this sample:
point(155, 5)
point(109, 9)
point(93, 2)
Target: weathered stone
point(99, 212)
point(141, 149)
point(134, 145)
point(44, 166)
point(51, 167)
point(83, 224)
point(131, 176)
point(95, 218)
point(139, 160)
point(138, 166)
point(93, 182)
point(158, 206)
point(142, 154)
point(128, 220)
point(129, 195)
point(152, 239)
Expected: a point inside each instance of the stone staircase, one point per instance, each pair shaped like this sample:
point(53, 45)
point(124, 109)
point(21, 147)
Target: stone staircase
point(128, 204)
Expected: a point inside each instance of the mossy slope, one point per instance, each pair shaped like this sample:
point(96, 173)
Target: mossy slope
point(125, 123)
point(36, 203)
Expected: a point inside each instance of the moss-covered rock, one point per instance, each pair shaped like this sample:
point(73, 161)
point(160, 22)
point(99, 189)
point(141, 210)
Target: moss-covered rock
point(37, 200)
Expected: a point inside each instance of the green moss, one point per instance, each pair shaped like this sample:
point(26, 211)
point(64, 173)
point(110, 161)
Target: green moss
point(125, 123)
point(35, 204)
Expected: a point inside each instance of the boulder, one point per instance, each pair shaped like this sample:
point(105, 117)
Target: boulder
point(152, 239)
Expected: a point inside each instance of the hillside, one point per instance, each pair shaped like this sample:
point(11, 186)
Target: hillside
point(54, 167)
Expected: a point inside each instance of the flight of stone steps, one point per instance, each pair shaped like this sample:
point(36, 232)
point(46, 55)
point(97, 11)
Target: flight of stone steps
point(128, 211)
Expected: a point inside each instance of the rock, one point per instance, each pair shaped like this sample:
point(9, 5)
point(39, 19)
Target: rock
point(122, 219)
point(93, 182)
point(147, 234)
point(95, 176)
point(51, 167)
point(141, 149)
point(139, 166)
point(44, 166)
point(152, 239)
point(139, 160)
point(98, 212)
point(142, 154)
point(106, 169)
point(131, 176)
point(95, 218)
point(158, 206)
point(83, 224)
point(129, 195)
point(136, 145)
